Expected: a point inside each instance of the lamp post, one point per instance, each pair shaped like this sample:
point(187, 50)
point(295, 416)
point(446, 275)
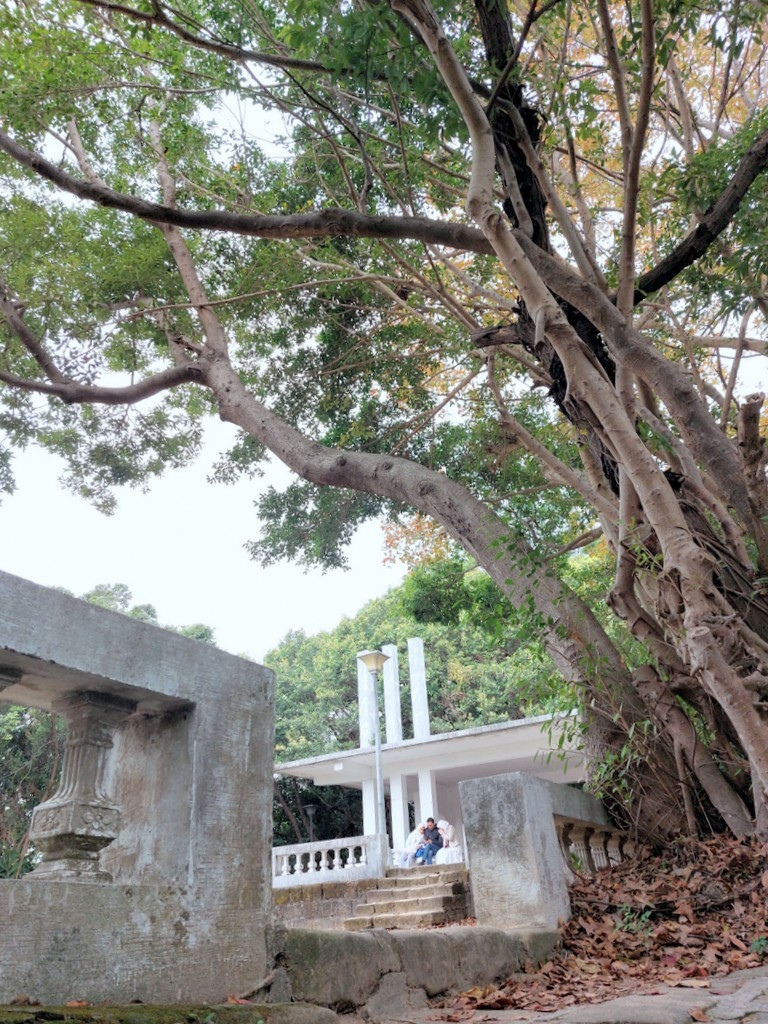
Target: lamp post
point(311, 810)
point(373, 661)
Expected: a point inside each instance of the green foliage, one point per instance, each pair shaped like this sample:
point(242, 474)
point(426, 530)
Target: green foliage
point(117, 597)
point(635, 921)
point(30, 752)
point(383, 340)
point(472, 678)
point(338, 812)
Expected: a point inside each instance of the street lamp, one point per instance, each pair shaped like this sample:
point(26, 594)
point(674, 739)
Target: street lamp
point(373, 661)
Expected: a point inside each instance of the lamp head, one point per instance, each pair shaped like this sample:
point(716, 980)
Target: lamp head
point(373, 660)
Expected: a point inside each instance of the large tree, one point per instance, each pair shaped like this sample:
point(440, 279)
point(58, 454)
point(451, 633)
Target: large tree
point(503, 247)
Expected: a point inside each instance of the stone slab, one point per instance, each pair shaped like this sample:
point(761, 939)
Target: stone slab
point(672, 1007)
point(279, 1013)
point(344, 970)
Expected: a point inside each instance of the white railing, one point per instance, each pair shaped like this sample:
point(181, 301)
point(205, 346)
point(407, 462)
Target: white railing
point(587, 848)
point(330, 860)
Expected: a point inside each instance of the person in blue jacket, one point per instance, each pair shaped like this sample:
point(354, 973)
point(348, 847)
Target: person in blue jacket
point(432, 841)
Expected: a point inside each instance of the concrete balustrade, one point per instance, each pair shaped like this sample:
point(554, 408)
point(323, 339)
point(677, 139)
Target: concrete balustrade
point(524, 839)
point(587, 847)
point(332, 860)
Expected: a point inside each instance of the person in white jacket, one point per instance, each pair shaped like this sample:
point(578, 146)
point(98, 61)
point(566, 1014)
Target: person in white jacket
point(451, 853)
point(448, 832)
point(412, 843)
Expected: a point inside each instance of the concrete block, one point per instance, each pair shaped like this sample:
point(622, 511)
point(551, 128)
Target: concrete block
point(347, 970)
point(336, 969)
point(517, 870)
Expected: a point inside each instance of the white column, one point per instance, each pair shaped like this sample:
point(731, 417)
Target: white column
point(427, 795)
point(393, 718)
point(366, 706)
point(418, 675)
point(398, 805)
point(417, 808)
point(369, 807)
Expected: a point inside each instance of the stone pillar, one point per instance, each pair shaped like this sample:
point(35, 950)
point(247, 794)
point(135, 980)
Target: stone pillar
point(80, 819)
point(518, 876)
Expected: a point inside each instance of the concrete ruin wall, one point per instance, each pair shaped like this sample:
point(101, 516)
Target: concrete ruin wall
point(517, 868)
point(186, 915)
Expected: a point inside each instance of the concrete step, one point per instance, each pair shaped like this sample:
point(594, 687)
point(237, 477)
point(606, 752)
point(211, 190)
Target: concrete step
point(413, 897)
point(427, 904)
point(421, 874)
point(452, 887)
point(358, 924)
point(363, 923)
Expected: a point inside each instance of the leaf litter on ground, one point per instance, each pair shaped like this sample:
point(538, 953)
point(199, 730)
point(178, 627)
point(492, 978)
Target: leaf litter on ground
point(695, 912)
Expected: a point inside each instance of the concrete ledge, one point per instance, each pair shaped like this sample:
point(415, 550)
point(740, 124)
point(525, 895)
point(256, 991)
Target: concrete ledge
point(196, 1013)
point(351, 970)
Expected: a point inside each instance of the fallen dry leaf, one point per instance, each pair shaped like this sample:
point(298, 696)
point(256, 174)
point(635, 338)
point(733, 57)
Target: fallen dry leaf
point(700, 1015)
point(625, 935)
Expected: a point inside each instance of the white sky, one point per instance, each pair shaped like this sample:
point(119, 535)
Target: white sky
point(180, 548)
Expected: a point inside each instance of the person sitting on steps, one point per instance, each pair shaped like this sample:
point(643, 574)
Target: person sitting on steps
point(412, 844)
point(432, 842)
point(448, 832)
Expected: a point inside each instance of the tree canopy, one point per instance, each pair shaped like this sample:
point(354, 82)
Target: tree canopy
point(474, 677)
point(501, 265)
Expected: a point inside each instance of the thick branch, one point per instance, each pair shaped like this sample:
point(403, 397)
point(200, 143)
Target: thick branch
point(238, 54)
point(324, 223)
point(678, 392)
point(71, 392)
point(714, 221)
point(15, 321)
point(575, 639)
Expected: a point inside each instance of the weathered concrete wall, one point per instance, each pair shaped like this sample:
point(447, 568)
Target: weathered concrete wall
point(188, 915)
point(516, 866)
point(323, 906)
point(75, 940)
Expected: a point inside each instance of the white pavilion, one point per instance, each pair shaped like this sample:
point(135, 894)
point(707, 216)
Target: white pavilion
point(425, 771)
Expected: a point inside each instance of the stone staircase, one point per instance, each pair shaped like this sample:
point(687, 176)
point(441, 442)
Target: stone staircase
point(410, 897)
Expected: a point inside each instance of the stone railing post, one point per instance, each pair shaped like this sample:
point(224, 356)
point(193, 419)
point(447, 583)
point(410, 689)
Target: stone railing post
point(80, 819)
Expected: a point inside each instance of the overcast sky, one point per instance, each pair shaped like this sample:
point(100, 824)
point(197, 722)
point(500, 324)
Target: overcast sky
point(180, 548)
